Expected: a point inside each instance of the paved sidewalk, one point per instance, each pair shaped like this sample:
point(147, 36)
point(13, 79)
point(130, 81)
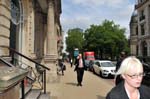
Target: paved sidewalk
point(66, 86)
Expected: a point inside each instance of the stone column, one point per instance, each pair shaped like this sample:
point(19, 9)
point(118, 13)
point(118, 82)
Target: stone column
point(51, 43)
point(5, 16)
point(148, 48)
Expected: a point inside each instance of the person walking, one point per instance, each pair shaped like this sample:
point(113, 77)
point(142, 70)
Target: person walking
point(132, 72)
point(118, 78)
point(79, 68)
point(71, 61)
point(61, 65)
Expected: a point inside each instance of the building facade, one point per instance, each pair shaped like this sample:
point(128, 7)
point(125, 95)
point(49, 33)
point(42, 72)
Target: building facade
point(32, 27)
point(140, 30)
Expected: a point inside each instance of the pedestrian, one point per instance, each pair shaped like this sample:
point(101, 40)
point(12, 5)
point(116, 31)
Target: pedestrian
point(71, 62)
point(118, 78)
point(79, 68)
point(61, 65)
point(132, 72)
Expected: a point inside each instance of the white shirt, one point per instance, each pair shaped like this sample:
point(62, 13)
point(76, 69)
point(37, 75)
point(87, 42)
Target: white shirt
point(80, 63)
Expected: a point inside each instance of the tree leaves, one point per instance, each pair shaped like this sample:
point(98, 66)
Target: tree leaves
point(106, 40)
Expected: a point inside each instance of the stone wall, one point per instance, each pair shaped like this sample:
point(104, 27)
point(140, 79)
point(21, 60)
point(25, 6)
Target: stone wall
point(4, 26)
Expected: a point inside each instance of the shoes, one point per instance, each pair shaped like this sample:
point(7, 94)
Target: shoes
point(79, 84)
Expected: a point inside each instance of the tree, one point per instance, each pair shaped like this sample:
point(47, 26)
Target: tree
point(74, 40)
point(107, 39)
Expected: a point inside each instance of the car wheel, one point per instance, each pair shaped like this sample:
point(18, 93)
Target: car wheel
point(91, 69)
point(100, 74)
point(94, 71)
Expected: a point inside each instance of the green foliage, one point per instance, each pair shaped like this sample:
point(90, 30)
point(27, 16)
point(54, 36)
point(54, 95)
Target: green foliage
point(74, 40)
point(107, 39)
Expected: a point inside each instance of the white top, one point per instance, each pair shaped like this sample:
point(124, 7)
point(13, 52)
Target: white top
point(129, 94)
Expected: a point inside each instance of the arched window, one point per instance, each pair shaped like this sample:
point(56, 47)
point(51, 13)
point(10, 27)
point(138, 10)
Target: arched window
point(15, 12)
point(15, 22)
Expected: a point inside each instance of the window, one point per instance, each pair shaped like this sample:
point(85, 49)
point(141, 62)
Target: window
point(136, 30)
point(97, 63)
point(140, 1)
point(142, 30)
point(107, 64)
point(142, 16)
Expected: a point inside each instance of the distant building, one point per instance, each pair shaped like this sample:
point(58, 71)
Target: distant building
point(140, 30)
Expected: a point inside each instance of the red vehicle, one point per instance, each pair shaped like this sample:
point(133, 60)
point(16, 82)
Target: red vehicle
point(89, 58)
point(89, 55)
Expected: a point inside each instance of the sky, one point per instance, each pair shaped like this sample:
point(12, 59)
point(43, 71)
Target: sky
point(83, 13)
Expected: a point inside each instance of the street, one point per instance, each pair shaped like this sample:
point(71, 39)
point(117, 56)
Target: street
point(94, 87)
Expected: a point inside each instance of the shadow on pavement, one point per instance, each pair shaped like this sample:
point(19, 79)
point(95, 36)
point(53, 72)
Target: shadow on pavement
point(100, 97)
point(54, 97)
point(71, 83)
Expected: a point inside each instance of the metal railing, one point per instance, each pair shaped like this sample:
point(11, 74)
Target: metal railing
point(41, 69)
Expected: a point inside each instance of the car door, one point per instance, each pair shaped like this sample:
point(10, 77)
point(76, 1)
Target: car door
point(97, 67)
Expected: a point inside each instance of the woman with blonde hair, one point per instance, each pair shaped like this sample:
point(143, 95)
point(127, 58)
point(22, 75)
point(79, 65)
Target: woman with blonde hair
point(131, 70)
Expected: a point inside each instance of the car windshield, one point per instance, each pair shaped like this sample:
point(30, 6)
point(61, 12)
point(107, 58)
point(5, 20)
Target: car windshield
point(90, 58)
point(107, 64)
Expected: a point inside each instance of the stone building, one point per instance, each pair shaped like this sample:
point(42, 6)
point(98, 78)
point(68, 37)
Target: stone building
point(140, 30)
point(33, 28)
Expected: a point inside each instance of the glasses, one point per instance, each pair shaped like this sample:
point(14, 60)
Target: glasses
point(136, 75)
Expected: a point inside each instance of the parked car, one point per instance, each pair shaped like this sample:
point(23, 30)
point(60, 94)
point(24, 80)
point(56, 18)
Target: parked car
point(104, 68)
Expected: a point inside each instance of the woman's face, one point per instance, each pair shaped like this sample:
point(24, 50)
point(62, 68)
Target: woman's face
point(133, 77)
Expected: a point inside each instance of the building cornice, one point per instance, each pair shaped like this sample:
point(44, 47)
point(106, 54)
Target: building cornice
point(140, 4)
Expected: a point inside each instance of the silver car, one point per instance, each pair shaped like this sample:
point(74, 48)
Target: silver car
point(104, 68)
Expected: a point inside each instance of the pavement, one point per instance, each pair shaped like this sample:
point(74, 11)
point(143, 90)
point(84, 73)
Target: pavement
point(65, 87)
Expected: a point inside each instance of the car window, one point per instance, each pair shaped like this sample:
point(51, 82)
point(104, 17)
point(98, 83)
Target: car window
point(107, 64)
point(89, 57)
point(97, 63)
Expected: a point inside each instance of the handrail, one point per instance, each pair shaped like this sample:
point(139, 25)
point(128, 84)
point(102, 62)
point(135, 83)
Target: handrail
point(44, 67)
point(13, 51)
point(28, 58)
point(4, 61)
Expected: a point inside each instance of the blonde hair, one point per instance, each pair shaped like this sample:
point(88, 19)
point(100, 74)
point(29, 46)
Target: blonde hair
point(128, 63)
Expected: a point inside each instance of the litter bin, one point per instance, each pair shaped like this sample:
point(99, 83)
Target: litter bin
point(10, 78)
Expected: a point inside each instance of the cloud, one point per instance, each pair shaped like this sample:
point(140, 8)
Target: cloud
point(83, 13)
point(95, 3)
point(89, 2)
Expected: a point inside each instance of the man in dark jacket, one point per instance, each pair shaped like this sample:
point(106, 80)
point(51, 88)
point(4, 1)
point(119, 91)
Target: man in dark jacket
point(118, 78)
point(79, 68)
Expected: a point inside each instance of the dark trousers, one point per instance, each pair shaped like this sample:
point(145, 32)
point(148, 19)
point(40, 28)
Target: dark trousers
point(80, 73)
point(71, 64)
point(62, 69)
